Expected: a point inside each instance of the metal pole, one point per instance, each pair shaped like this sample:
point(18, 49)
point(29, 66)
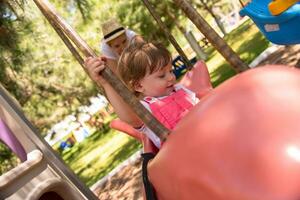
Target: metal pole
point(212, 36)
point(160, 130)
point(168, 34)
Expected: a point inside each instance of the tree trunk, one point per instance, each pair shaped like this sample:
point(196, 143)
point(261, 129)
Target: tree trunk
point(212, 36)
point(167, 33)
point(200, 54)
point(216, 18)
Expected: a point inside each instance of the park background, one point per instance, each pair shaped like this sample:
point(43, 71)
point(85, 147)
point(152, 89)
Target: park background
point(51, 87)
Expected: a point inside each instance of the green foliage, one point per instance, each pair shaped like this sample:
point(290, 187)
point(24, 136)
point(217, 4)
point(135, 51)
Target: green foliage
point(74, 8)
point(141, 20)
point(36, 67)
point(11, 54)
point(7, 159)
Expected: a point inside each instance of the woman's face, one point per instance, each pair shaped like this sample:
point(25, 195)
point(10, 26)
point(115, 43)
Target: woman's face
point(118, 44)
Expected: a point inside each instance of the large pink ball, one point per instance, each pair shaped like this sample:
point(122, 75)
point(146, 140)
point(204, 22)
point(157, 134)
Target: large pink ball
point(241, 142)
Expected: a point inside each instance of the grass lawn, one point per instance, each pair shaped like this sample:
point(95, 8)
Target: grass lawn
point(246, 41)
point(100, 153)
point(104, 150)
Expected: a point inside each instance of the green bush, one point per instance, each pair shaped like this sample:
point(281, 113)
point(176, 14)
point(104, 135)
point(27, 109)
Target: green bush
point(8, 159)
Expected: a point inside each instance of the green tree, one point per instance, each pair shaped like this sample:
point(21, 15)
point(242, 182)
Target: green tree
point(12, 26)
point(140, 19)
point(209, 7)
point(36, 67)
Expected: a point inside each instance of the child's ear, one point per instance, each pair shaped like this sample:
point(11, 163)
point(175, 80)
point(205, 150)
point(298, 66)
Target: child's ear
point(138, 87)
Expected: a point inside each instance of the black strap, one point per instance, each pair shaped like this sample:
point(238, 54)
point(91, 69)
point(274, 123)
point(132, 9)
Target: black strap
point(114, 32)
point(150, 192)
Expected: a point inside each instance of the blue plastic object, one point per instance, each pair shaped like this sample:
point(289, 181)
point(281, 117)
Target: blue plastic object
point(281, 29)
point(179, 66)
point(64, 145)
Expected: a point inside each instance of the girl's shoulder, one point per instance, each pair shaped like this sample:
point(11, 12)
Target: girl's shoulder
point(189, 92)
point(179, 86)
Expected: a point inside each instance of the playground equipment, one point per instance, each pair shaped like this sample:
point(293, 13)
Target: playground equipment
point(281, 29)
point(279, 6)
point(42, 174)
point(179, 66)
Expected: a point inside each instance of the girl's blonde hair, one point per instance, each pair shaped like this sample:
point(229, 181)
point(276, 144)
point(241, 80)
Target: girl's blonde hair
point(139, 59)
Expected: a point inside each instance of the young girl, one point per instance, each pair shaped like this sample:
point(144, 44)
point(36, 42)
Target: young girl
point(147, 70)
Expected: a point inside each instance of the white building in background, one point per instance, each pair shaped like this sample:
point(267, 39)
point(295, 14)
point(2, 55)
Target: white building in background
point(77, 126)
point(97, 103)
point(61, 129)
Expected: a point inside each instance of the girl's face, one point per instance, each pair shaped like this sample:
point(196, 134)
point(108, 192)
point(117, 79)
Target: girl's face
point(159, 83)
point(118, 44)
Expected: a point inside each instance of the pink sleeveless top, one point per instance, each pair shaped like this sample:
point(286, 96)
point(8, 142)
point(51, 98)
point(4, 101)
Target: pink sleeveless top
point(171, 109)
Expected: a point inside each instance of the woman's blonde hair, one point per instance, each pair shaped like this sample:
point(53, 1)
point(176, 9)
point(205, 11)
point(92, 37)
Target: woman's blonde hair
point(139, 59)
